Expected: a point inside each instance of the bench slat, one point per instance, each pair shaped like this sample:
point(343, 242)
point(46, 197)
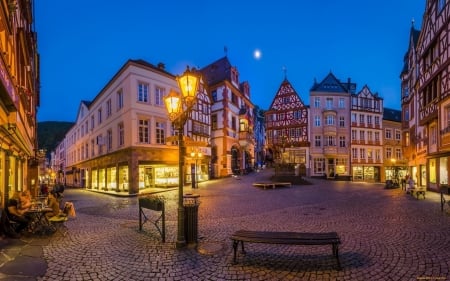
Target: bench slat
point(292, 238)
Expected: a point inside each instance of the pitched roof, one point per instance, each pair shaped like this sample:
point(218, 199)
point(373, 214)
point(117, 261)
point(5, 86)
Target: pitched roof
point(331, 84)
point(392, 114)
point(217, 71)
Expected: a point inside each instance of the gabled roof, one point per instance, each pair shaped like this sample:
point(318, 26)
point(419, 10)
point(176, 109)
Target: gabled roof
point(217, 71)
point(331, 84)
point(413, 39)
point(286, 93)
point(392, 114)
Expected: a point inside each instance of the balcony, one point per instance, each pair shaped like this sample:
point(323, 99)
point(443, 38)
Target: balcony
point(329, 130)
point(428, 112)
point(246, 138)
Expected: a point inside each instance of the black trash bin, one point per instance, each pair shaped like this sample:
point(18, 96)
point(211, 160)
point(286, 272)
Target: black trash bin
point(190, 204)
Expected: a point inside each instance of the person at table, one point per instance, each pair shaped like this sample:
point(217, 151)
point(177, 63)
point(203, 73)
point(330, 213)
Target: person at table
point(53, 204)
point(24, 200)
point(17, 215)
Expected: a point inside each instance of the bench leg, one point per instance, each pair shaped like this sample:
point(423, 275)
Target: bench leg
point(235, 245)
point(336, 255)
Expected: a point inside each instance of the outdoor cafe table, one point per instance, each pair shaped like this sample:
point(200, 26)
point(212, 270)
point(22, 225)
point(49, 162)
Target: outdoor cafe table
point(38, 220)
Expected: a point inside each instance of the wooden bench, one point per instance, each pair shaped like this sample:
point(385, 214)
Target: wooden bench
point(289, 238)
point(418, 191)
point(271, 184)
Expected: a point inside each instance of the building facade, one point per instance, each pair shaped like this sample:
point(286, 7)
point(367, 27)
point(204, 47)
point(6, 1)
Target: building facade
point(232, 135)
point(19, 99)
point(426, 98)
point(121, 141)
point(287, 129)
point(330, 127)
point(366, 136)
point(394, 163)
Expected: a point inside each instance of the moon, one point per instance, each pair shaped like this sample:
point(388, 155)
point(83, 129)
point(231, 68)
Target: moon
point(257, 54)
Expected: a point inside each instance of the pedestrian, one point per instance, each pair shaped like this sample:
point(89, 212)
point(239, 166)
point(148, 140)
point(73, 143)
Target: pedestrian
point(410, 185)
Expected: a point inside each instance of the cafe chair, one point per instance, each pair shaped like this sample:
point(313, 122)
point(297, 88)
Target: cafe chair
point(58, 224)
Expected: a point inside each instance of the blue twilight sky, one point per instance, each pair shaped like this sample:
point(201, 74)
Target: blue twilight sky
point(84, 43)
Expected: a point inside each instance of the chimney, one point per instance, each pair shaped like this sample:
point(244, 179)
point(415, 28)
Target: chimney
point(161, 66)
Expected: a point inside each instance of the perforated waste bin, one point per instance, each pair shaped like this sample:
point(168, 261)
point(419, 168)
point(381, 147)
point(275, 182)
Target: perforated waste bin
point(190, 204)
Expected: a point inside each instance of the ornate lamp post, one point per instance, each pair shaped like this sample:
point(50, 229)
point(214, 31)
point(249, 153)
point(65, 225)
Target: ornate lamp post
point(179, 106)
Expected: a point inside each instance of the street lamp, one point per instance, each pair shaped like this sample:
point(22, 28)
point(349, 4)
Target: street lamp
point(196, 155)
point(178, 106)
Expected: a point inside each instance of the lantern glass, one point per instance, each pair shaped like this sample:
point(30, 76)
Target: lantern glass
point(188, 83)
point(173, 104)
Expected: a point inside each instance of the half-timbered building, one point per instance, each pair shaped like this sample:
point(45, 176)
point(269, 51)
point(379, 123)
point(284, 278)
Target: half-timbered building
point(414, 141)
point(287, 128)
point(330, 127)
point(433, 89)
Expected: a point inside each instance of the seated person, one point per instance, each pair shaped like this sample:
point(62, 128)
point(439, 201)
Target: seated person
point(24, 200)
point(53, 204)
point(17, 215)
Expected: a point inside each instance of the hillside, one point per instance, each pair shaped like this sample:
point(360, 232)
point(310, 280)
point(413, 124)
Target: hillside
point(50, 133)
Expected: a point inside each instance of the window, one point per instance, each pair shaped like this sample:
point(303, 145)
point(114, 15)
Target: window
point(341, 121)
point(159, 94)
point(397, 135)
point(233, 123)
point(109, 140)
point(86, 127)
point(317, 141)
point(121, 131)
point(388, 153)
point(329, 102)
point(377, 155)
point(370, 136)
point(99, 116)
point(143, 131)
point(317, 121)
point(234, 99)
point(319, 166)
point(142, 92)
point(342, 141)
point(369, 154)
point(160, 133)
point(108, 108)
point(377, 136)
point(361, 119)
point(92, 122)
point(353, 117)
point(214, 95)
point(119, 96)
point(330, 140)
point(341, 103)
point(433, 134)
point(362, 135)
point(447, 116)
point(354, 153)
point(330, 120)
point(92, 148)
point(317, 102)
point(362, 153)
point(214, 121)
point(354, 135)
point(388, 134)
point(369, 119)
point(377, 120)
point(398, 153)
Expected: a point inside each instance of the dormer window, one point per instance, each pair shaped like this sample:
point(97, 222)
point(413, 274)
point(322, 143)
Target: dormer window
point(234, 76)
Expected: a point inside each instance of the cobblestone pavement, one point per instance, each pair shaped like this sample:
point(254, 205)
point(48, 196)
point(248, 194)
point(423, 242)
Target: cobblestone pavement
point(386, 235)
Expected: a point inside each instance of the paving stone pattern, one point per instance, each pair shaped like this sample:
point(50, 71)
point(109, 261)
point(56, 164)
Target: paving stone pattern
point(386, 235)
